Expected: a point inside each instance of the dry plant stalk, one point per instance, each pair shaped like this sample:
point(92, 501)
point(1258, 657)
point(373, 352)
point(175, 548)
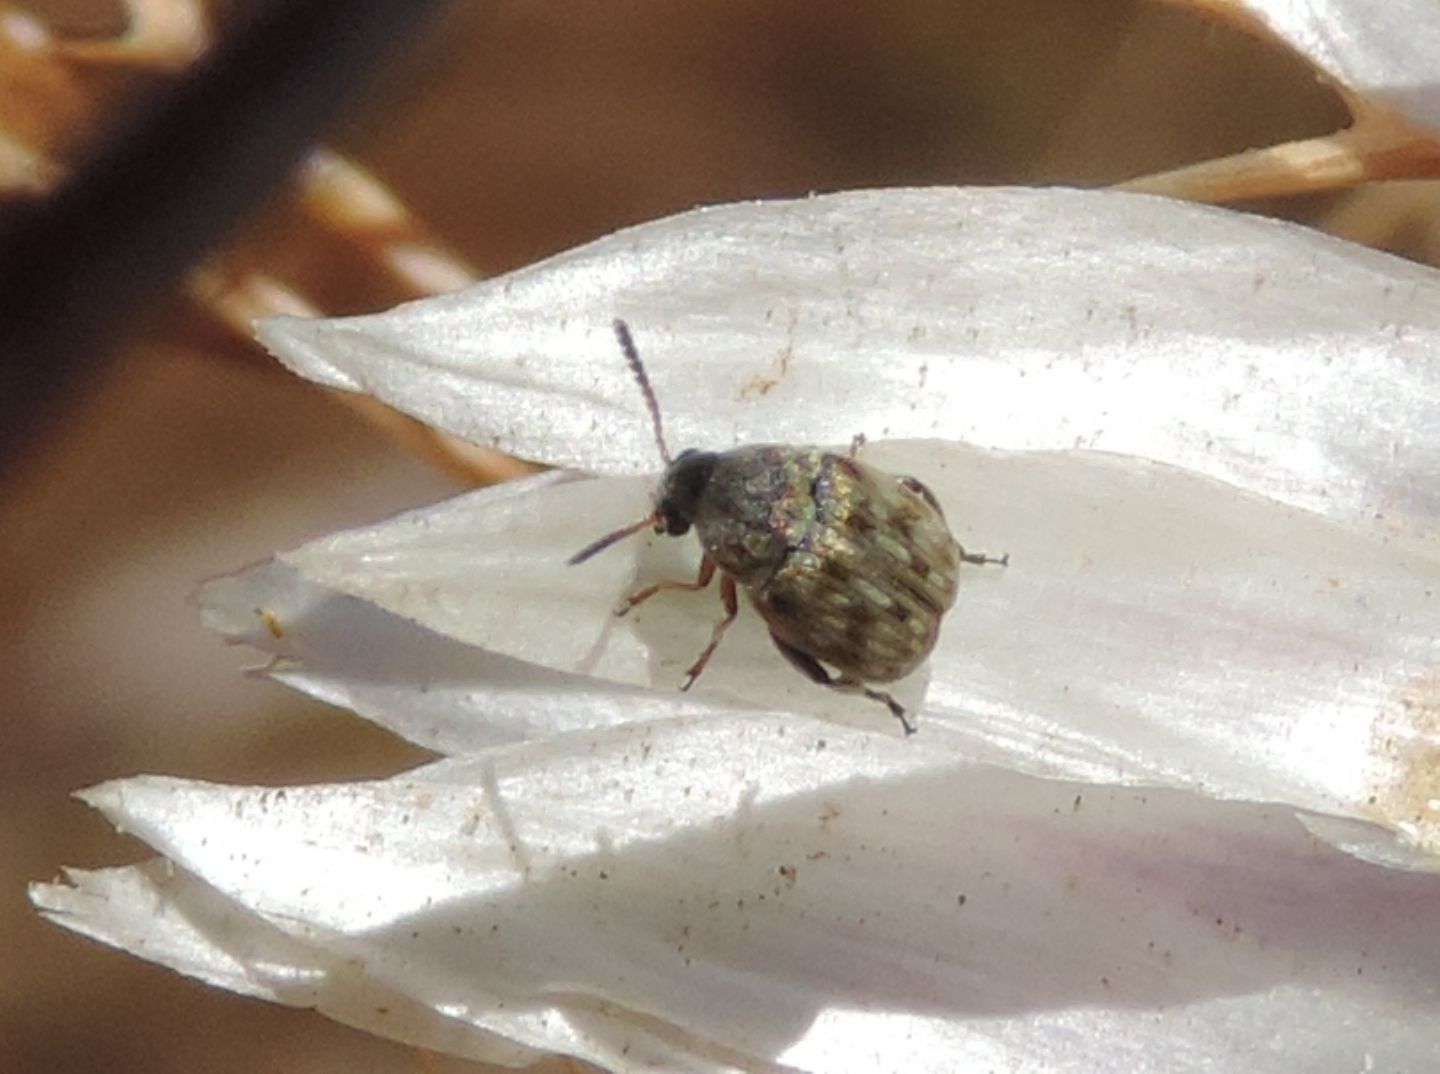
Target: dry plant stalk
point(61, 94)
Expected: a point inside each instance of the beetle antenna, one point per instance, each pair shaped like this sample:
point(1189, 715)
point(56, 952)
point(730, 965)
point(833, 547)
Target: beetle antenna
point(596, 547)
point(627, 344)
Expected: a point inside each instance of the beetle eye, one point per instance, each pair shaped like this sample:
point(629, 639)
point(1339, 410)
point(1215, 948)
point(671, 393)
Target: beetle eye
point(682, 489)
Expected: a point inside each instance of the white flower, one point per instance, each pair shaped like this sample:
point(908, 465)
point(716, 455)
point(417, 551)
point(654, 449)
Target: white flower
point(1209, 444)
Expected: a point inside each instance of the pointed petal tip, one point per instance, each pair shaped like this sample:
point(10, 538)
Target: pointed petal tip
point(102, 797)
point(301, 345)
point(1371, 843)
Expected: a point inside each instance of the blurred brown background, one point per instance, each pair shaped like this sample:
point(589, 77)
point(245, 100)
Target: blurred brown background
point(164, 448)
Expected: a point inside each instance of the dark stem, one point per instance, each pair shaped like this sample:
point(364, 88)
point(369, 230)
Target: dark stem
point(119, 234)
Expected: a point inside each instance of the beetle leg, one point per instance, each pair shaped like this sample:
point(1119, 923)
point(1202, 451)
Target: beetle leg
point(707, 572)
point(813, 670)
point(732, 607)
point(896, 709)
point(982, 558)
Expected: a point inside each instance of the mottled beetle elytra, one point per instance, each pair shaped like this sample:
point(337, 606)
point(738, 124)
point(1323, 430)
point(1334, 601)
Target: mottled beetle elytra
point(848, 565)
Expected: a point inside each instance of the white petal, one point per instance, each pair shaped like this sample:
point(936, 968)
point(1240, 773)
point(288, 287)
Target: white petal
point(167, 916)
point(437, 692)
point(1154, 627)
point(1281, 360)
point(747, 891)
point(1382, 49)
point(176, 921)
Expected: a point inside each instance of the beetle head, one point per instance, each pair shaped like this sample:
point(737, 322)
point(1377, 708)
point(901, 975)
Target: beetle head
point(681, 489)
point(685, 477)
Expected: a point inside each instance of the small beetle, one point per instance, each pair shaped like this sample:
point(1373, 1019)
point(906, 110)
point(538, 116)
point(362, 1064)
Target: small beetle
point(848, 565)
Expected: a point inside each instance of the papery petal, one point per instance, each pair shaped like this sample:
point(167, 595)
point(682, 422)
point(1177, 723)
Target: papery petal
point(436, 692)
point(749, 891)
point(167, 916)
point(1283, 361)
point(182, 923)
point(1153, 627)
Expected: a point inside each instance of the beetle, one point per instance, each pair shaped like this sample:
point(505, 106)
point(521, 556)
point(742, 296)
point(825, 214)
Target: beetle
point(848, 565)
